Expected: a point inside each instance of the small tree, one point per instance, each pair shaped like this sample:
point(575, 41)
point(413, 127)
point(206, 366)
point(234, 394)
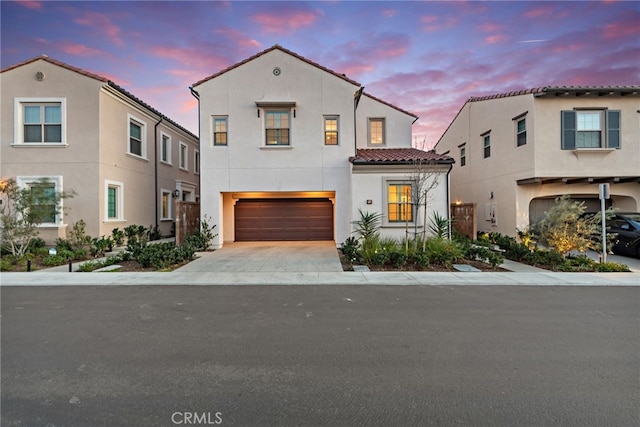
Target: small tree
point(23, 209)
point(565, 228)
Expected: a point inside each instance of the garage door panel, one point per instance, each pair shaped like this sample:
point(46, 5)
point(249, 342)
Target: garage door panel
point(284, 219)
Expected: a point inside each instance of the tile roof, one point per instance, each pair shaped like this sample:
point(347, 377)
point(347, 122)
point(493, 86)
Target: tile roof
point(104, 80)
point(377, 156)
point(562, 90)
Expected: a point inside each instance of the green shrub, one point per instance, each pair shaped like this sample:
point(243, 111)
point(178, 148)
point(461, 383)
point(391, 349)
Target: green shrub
point(483, 254)
point(397, 257)
point(35, 244)
point(349, 249)
point(117, 236)
point(78, 237)
point(99, 245)
point(609, 267)
point(163, 255)
point(546, 258)
point(443, 251)
point(201, 239)
point(63, 244)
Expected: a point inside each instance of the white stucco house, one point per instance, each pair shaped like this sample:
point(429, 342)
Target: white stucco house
point(292, 150)
point(518, 151)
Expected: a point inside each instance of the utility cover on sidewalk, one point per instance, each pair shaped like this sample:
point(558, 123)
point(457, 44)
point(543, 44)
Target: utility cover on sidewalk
point(465, 268)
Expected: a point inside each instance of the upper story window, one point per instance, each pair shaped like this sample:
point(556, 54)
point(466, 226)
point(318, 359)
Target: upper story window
point(399, 202)
point(590, 129)
point(376, 132)
point(183, 156)
point(277, 128)
point(220, 132)
point(165, 149)
point(463, 154)
point(137, 137)
point(39, 121)
point(521, 131)
point(196, 161)
point(331, 130)
point(165, 204)
point(486, 144)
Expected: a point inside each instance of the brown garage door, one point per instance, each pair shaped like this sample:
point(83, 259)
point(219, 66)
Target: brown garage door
point(283, 219)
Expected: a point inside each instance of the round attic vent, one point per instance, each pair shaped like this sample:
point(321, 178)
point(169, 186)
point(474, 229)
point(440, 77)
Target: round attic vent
point(277, 71)
point(39, 76)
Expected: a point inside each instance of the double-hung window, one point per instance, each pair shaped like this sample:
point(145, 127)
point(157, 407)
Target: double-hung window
point(331, 130)
point(583, 129)
point(521, 131)
point(277, 128)
point(376, 132)
point(137, 144)
point(220, 131)
point(196, 162)
point(40, 121)
point(463, 154)
point(165, 208)
point(400, 202)
point(486, 144)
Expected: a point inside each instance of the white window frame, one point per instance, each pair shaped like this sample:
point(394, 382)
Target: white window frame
point(463, 154)
point(183, 156)
point(119, 186)
point(166, 161)
point(213, 130)
point(143, 136)
point(384, 131)
point(196, 162)
point(26, 181)
point(169, 194)
point(18, 123)
point(486, 137)
point(517, 133)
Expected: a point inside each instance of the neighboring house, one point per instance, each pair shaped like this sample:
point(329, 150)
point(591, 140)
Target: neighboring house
point(286, 157)
point(516, 152)
point(124, 160)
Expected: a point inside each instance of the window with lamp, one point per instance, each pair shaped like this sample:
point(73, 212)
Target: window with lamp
point(399, 202)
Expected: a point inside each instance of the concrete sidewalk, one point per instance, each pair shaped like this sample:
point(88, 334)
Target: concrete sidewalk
point(177, 278)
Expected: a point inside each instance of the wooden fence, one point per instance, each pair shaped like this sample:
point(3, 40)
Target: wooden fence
point(187, 219)
point(464, 219)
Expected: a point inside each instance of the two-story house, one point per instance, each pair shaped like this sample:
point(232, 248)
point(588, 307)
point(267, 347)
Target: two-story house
point(125, 161)
point(516, 152)
point(291, 150)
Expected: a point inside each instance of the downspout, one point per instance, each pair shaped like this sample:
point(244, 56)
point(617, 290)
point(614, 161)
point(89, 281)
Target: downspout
point(448, 199)
point(356, 101)
point(196, 95)
point(155, 165)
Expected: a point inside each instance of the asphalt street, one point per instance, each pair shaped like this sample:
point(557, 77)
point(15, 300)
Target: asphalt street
point(320, 356)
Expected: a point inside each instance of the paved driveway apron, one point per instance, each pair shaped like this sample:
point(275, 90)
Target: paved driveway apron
point(269, 257)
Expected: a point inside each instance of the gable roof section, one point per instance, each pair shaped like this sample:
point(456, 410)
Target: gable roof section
point(59, 64)
point(107, 82)
point(282, 49)
point(308, 61)
point(397, 156)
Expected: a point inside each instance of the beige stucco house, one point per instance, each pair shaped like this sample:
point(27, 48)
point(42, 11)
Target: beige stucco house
point(291, 150)
point(125, 161)
point(516, 152)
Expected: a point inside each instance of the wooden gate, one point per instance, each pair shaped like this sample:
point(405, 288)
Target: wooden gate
point(464, 219)
point(187, 219)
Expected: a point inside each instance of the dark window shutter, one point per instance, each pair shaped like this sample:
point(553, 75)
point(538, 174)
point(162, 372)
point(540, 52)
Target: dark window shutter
point(613, 129)
point(568, 130)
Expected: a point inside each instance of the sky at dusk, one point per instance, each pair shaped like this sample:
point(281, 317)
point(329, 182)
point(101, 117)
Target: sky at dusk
point(425, 57)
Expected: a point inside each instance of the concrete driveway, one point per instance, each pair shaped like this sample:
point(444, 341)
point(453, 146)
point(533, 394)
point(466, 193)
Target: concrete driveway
point(269, 257)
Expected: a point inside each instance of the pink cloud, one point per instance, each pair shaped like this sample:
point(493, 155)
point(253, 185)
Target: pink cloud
point(79, 49)
point(627, 27)
point(238, 37)
point(34, 5)
point(189, 105)
point(389, 13)
point(489, 27)
point(435, 23)
point(286, 21)
point(540, 11)
point(101, 23)
point(497, 38)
